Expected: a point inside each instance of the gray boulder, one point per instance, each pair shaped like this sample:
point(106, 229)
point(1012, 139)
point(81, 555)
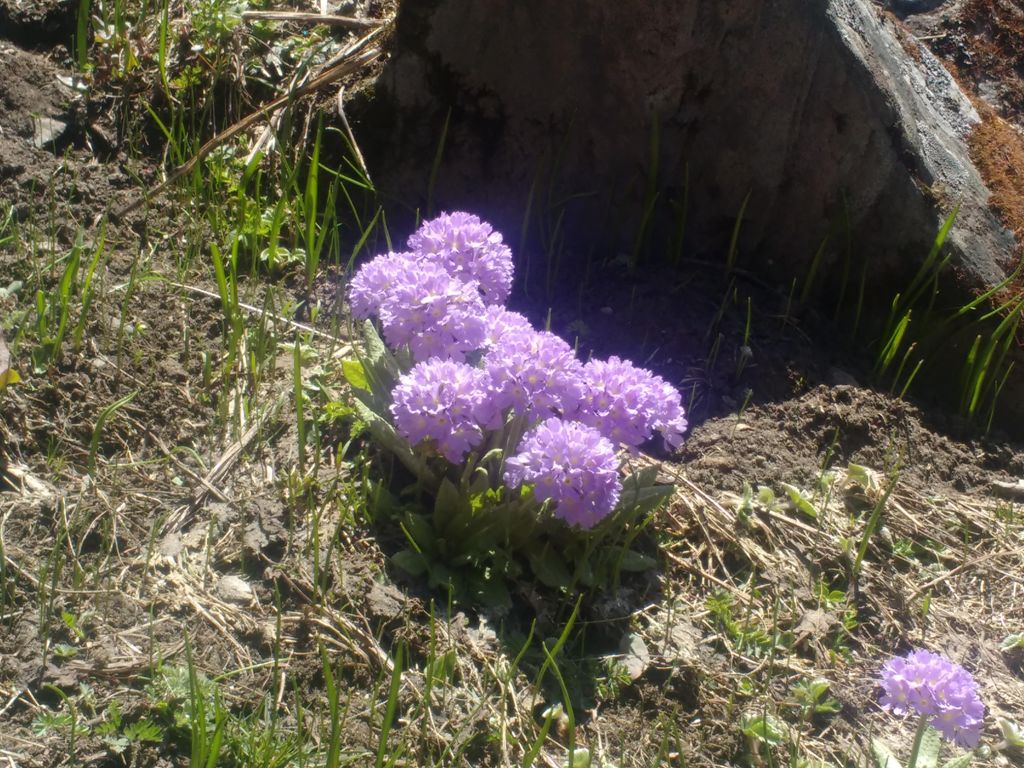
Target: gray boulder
point(821, 110)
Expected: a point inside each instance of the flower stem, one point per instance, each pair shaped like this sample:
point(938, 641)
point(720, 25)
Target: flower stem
point(922, 726)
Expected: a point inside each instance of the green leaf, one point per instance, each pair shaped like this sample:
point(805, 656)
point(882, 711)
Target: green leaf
point(376, 349)
point(1012, 733)
point(490, 592)
point(410, 561)
point(866, 478)
point(640, 502)
point(116, 744)
point(9, 377)
point(928, 755)
point(550, 569)
point(144, 730)
point(763, 727)
point(631, 561)
point(585, 572)
point(962, 761)
point(765, 496)
point(449, 504)
point(441, 669)
point(883, 756)
point(800, 501)
point(420, 532)
point(1015, 640)
point(355, 374)
point(439, 575)
point(385, 434)
point(642, 478)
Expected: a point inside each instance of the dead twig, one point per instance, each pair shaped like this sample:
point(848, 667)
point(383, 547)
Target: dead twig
point(261, 312)
point(964, 567)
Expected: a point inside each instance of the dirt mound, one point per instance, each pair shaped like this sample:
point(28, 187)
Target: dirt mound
point(797, 438)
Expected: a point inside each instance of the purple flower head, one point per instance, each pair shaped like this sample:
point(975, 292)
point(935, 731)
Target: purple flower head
point(534, 373)
point(500, 322)
point(374, 281)
point(461, 330)
point(936, 688)
point(571, 465)
point(628, 404)
point(470, 250)
point(431, 311)
point(444, 402)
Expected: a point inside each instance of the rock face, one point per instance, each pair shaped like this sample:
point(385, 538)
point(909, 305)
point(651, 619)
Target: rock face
point(826, 113)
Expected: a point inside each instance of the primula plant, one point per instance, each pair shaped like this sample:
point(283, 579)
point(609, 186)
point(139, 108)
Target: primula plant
point(519, 445)
point(944, 695)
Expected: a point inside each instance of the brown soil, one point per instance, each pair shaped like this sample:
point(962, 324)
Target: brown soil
point(845, 424)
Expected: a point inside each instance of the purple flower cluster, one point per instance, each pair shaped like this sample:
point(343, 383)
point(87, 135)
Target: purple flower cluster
point(500, 323)
point(479, 364)
point(628, 404)
point(935, 688)
point(420, 305)
point(570, 464)
point(534, 374)
point(443, 403)
point(470, 250)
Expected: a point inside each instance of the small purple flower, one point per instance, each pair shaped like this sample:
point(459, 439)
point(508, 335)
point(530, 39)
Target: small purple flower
point(936, 688)
point(444, 402)
point(470, 250)
point(628, 404)
point(431, 311)
point(374, 281)
point(420, 305)
point(570, 464)
point(500, 322)
point(460, 331)
point(534, 373)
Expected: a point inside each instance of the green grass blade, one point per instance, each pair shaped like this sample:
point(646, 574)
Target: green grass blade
point(101, 421)
point(82, 35)
point(390, 709)
point(435, 166)
point(734, 239)
point(334, 738)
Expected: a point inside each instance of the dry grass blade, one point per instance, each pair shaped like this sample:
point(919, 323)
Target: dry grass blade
point(7, 374)
point(351, 136)
point(303, 17)
point(183, 514)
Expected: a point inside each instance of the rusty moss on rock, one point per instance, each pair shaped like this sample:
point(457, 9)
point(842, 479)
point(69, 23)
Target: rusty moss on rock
point(997, 149)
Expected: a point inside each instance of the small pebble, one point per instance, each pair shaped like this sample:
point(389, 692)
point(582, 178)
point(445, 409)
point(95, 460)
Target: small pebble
point(234, 589)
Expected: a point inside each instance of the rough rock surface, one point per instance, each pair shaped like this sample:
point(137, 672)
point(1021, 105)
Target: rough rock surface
point(832, 118)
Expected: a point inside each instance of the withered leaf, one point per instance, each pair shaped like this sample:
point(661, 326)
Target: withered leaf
point(7, 374)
